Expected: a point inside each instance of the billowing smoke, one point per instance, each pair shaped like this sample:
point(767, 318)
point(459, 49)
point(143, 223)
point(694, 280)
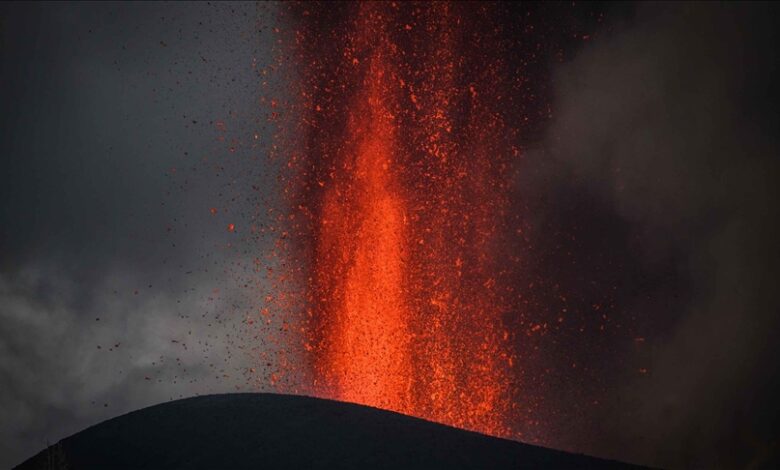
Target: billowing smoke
point(670, 120)
point(73, 356)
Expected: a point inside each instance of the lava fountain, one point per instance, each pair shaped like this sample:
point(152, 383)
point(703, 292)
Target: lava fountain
point(401, 190)
point(360, 256)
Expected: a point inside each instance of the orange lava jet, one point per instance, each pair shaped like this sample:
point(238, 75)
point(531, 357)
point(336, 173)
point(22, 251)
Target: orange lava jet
point(403, 184)
point(360, 258)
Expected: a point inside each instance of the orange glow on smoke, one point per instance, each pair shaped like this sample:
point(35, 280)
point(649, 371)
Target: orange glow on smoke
point(404, 185)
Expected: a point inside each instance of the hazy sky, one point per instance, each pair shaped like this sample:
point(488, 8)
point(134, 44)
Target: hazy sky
point(117, 125)
point(123, 125)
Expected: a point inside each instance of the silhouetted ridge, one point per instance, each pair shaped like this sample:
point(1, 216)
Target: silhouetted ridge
point(237, 431)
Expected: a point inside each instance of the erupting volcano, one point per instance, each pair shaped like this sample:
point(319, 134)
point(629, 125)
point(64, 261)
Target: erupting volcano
point(403, 186)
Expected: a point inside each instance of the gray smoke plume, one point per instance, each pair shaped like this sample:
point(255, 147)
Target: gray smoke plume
point(672, 118)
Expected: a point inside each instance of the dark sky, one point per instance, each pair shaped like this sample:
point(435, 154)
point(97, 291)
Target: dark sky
point(111, 161)
point(124, 124)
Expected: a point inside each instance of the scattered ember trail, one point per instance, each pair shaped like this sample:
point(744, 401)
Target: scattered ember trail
point(404, 136)
point(404, 181)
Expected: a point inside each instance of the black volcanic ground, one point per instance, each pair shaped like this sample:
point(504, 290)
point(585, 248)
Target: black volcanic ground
point(281, 431)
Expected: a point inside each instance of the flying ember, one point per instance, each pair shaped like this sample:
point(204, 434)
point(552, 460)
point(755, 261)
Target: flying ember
point(402, 195)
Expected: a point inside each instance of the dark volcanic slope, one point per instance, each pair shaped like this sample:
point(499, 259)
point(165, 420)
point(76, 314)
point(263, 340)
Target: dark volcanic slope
point(282, 431)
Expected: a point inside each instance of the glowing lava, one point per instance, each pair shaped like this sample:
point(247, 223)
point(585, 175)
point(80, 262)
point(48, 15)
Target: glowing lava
point(403, 183)
point(360, 259)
